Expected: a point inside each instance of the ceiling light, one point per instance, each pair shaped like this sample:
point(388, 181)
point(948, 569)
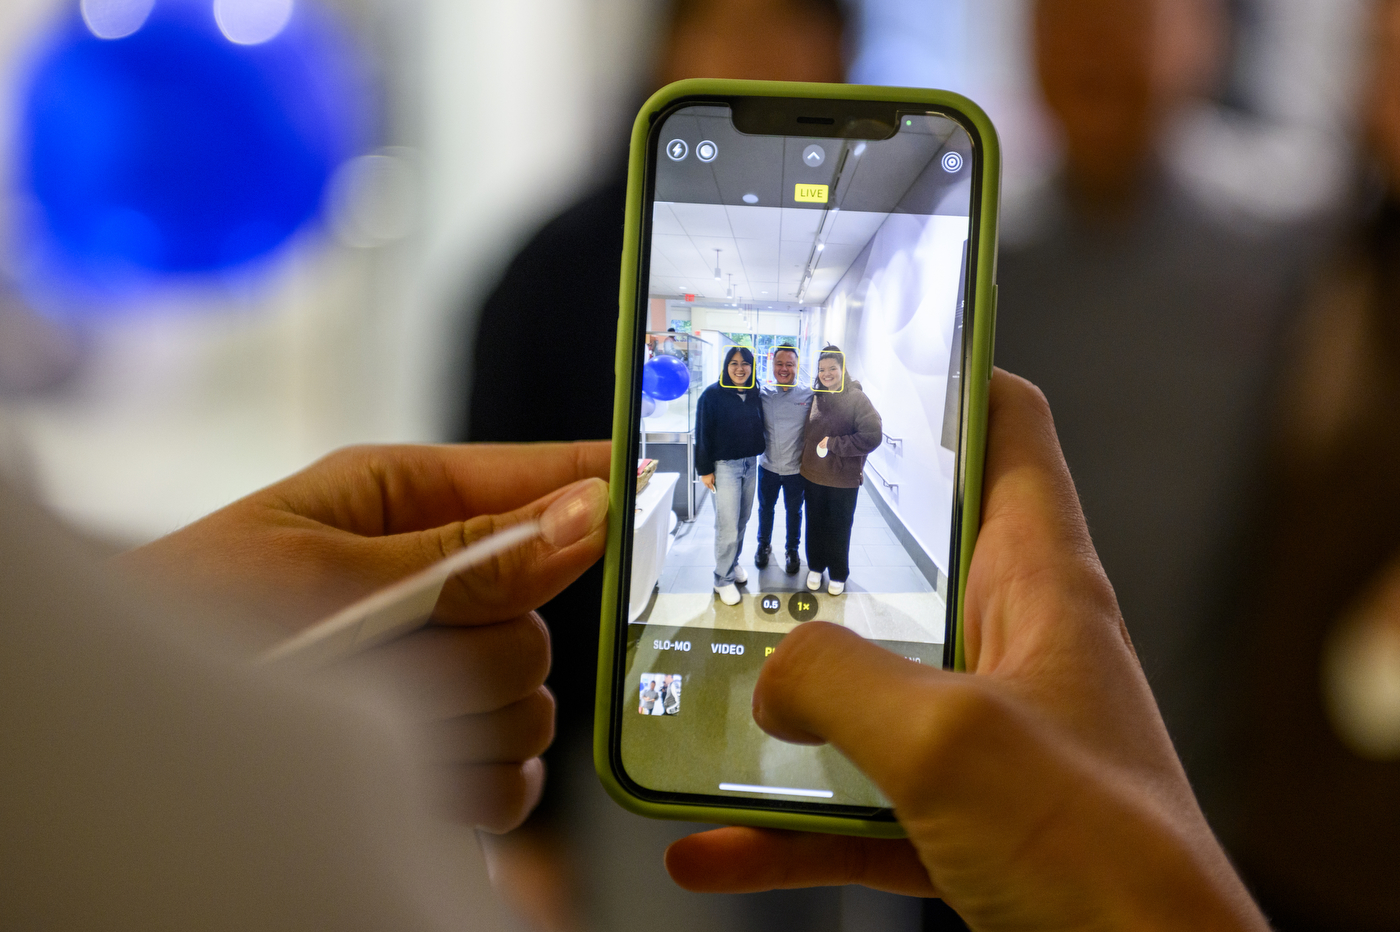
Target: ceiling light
point(252, 22)
point(115, 19)
point(718, 276)
point(821, 246)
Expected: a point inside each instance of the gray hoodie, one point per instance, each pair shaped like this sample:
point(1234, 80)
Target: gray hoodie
point(784, 417)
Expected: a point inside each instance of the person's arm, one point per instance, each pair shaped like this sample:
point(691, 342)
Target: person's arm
point(704, 442)
point(1040, 789)
point(365, 517)
point(867, 435)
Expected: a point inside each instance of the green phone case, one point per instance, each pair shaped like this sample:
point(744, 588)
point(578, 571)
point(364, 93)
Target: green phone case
point(979, 320)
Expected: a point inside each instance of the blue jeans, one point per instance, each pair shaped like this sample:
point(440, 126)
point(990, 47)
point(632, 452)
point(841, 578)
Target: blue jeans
point(734, 487)
point(769, 484)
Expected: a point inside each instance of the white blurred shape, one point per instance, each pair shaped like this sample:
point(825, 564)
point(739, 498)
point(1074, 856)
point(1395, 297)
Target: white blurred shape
point(1361, 686)
point(251, 22)
point(372, 199)
point(115, 19)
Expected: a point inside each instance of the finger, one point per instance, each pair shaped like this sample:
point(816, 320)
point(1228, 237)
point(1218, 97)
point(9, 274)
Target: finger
point(573, 533)
point(382, 490)
point(441, 673)
point(751, 860)
point(518, 732)
point(495, 797)
point(825, 683)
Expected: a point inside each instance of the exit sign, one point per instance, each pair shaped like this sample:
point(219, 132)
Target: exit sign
point(690, 297)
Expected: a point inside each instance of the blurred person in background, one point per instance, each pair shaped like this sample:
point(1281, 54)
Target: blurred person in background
point(564, 282)
point(1151, 321)
point(1321, 782)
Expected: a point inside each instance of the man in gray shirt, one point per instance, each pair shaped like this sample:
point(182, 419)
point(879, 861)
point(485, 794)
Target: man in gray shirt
point(785, 407)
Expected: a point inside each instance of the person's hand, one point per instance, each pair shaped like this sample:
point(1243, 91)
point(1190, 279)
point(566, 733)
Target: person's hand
point(821, 447)
point(1039, 790)
point(365, 517)
point(709, 481)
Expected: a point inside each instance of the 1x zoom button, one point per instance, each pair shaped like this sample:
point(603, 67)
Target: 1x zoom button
point(802, 606)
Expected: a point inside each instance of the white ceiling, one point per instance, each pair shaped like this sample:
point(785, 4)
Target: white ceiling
point(766, 248)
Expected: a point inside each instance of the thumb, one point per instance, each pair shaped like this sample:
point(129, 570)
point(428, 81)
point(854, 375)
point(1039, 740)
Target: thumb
point(827, 684)
point(573, 531)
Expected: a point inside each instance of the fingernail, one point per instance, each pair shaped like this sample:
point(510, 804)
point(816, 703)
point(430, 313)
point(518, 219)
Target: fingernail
point(576, 514)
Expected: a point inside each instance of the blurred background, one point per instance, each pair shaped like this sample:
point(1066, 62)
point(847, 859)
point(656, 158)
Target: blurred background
point(236, 234)
point(143, 416)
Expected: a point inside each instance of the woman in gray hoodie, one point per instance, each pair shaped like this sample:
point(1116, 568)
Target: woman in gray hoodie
point(842, 427)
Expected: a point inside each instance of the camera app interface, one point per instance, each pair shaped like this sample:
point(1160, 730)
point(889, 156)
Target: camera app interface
point(800, 422)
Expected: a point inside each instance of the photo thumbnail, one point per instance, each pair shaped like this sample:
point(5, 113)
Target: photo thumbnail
point(660, 694)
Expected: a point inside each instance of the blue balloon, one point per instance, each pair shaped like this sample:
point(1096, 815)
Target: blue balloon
point(176, 152)
point(665, 378)
point(649, 405)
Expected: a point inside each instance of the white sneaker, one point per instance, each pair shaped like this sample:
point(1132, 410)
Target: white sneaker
point(835, 588)
point(729, 595)
point(814, 581)
point(741, 575)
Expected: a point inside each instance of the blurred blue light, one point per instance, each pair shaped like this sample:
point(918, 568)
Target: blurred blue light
point(174, 152)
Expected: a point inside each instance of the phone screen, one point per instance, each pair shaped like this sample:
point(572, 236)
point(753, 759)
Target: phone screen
point(798, 431)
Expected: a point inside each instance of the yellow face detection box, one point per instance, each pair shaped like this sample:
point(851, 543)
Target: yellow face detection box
point(811, 193)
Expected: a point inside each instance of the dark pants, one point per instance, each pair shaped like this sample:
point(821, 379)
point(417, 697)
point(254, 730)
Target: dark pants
point(830, 514)
point(792, 487)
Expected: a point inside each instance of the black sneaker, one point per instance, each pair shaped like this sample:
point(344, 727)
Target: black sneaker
point(760, 559)
point(793, 564)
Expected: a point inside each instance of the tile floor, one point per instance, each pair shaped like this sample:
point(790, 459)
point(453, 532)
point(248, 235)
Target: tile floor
point(886, 596)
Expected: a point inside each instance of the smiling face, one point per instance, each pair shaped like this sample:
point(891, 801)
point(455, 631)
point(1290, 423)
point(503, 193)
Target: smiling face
point(739, 371)
point(785, 367)
point(829, 374)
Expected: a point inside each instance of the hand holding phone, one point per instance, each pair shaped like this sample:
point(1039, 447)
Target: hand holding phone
point(1031, 804)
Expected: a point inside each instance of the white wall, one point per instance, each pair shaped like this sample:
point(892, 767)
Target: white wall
point(736, 321)
point(898, 303)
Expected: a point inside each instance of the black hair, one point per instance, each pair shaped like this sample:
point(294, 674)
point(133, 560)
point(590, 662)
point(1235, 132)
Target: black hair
point(786, 348)
point(724, 369)
point(831, 351)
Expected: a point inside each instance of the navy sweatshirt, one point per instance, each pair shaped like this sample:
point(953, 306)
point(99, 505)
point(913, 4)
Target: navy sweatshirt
point(728, 426)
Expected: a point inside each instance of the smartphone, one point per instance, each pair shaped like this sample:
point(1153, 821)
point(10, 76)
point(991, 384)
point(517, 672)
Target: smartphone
point(804, 349)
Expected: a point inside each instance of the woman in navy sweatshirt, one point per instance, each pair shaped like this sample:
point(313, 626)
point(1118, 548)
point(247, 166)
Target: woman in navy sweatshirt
point(728, 441)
